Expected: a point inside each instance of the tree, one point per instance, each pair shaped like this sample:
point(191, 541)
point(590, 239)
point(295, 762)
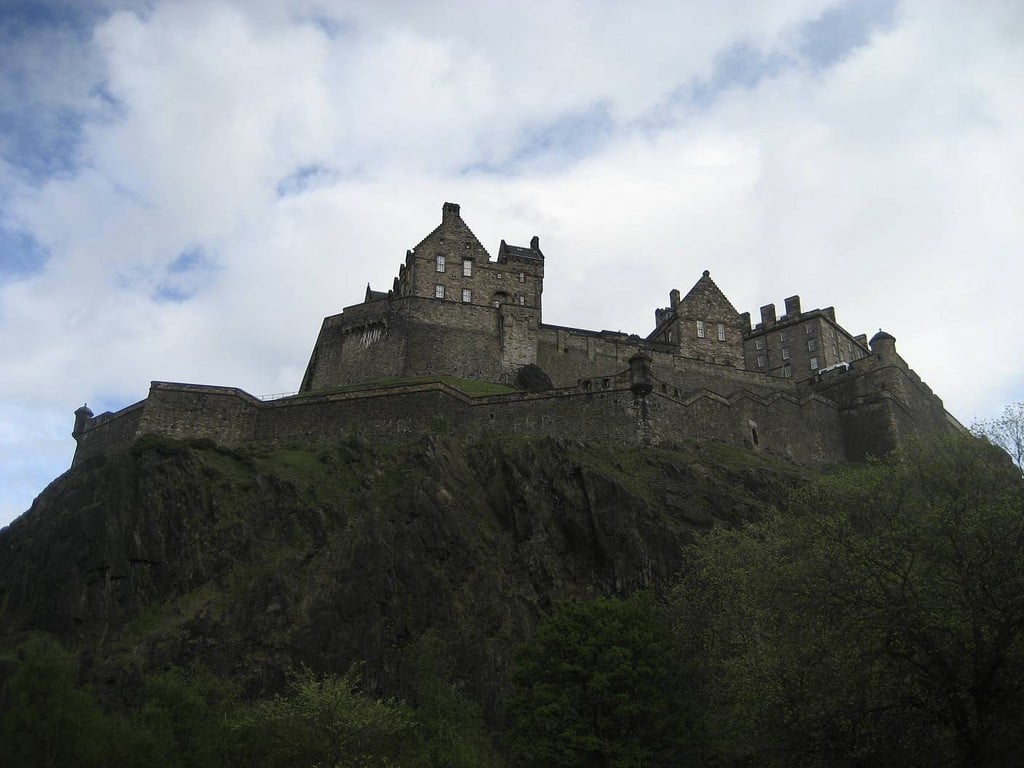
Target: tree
point(877, 620)
point(600, 685)
point(324, 722)
point(50, 721)
point(450, 725)
point(1006, 431)
point(182, 722)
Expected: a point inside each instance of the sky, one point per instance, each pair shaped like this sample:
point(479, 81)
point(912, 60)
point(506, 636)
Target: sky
point(188, 188)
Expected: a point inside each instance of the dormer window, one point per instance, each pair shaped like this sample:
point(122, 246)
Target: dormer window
point(440, 264)
point(467, 267)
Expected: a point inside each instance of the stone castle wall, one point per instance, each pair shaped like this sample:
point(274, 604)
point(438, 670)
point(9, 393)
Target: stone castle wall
point(109, 432)
point(600, 409)
point(464, 316)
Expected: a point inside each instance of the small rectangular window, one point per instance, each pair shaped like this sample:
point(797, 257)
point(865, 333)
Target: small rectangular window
point(783, 336)
point(522, 277)
point(787, 371)
point(721, 332)
point(700, 329)
point(467, 295)
point(761, 361)
point(439, 291)
point(522, 301)
point(809, 328)
point(759, 344)
point(812, 345)
point(785, 353)
point(467, 267)
point(440, 264)
point(814, 363)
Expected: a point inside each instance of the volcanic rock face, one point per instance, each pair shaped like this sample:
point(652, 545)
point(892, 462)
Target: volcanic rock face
point(254, 563)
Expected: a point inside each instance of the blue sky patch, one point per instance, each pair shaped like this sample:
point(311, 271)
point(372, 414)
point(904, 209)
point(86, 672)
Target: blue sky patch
point(41, 143)
point(20, 254)
point(330, 26)
point(185, 276)
point(303, 178)
point(557, 144)
point(841, 29)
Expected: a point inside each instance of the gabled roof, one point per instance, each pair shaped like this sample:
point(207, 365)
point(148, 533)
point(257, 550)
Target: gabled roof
point(707, 291)
point(455, 235)
point(508, 252)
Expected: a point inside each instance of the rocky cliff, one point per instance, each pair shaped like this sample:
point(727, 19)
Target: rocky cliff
point(256, 562)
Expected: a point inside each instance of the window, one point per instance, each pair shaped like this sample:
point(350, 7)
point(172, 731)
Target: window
point(522, 277)
point(721, 332)
point(669, 337)
point(787, 371)
point(700, 329)
point(522, 301)
point(759, 344)
point(783, 336)
point(440, 264)
point(814, 363)
point(785, 353)
point(809, 328)
point(761, 361)
point(438, 291)
point(812, 345)
point(467, 295)
point(467, 267)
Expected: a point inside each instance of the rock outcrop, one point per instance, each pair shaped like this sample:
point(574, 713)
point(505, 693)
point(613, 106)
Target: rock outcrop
point(256, 562)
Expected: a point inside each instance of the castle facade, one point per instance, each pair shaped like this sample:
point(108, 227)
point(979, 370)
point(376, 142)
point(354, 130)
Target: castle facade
point(397, 364)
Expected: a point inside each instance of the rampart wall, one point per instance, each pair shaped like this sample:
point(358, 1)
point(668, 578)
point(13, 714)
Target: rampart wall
point(569, 354)
point(805, 430)
point(883, 402)
point(416, 336)
point(109, 432)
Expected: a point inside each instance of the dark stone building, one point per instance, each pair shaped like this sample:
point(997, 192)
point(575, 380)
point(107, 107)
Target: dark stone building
point(389, 367)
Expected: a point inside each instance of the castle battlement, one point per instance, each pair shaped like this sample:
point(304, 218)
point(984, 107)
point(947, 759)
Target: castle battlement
point(387, 368)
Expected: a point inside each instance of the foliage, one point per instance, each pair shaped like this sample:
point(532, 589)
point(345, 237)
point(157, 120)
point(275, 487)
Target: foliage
point(49, 722)
point(1006, 431)
point(324, 722)
point(877, 620)
point(183, 718)
point(193, 718)
point(601, 684)
point(452, 729)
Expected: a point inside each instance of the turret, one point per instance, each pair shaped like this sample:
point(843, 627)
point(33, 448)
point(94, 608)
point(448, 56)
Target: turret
point(640, 375)
point(884, 345)
point(82, 417)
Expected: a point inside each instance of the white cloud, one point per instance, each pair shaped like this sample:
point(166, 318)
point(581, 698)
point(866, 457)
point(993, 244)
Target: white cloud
point(244, 169)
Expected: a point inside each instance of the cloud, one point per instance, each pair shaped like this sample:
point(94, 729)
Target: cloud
point(187, 188)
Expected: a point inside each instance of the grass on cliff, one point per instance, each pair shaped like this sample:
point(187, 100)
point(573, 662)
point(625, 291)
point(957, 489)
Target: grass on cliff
point(469, 387)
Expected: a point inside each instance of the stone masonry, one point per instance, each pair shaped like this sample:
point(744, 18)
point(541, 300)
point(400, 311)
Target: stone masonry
point(388, 369)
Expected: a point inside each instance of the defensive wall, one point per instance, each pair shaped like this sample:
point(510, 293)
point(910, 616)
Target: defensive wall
point(799, 385)
point(803, 428)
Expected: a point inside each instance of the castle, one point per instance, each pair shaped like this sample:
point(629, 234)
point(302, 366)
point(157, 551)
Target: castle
point(415, 359)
